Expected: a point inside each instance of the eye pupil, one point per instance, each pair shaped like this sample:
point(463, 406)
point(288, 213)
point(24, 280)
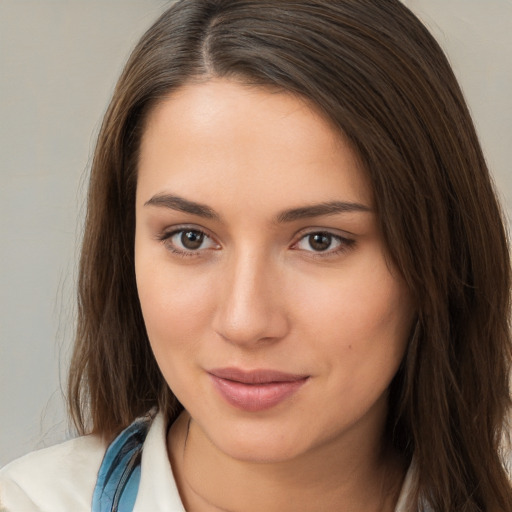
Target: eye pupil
point(320, 241)
point(192, 239)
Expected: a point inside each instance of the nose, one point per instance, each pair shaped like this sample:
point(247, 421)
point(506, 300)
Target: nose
point(251, 307)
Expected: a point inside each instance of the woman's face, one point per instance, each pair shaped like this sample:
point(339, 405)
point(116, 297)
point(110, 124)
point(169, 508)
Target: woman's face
point(269, 303)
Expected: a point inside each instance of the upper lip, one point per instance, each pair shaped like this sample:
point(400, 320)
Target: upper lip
point(259, 376)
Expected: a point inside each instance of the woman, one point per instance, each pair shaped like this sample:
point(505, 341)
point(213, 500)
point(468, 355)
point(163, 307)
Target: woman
point(295, 283)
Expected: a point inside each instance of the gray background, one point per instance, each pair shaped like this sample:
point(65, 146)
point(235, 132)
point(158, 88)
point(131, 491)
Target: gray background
point(58, 64)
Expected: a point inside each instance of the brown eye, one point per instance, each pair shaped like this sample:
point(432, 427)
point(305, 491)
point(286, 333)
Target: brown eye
point(324, 243)
point(320, 241)
point(188, 242)
point(191, 240)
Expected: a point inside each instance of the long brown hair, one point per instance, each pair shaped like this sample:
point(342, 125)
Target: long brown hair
point(373, 69)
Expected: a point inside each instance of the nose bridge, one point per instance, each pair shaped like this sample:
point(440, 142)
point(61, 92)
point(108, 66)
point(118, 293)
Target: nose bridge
point(250, 306)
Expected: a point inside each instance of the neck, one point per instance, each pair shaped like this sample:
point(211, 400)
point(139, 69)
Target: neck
point(353, 474)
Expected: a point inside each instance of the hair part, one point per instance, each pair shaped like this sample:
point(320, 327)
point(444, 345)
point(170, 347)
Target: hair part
point(380, 78)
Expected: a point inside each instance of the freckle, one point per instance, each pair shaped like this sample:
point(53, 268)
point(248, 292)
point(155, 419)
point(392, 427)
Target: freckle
point(350, 347)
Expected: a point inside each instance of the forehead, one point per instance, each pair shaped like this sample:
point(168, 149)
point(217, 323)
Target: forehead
point(230, 138)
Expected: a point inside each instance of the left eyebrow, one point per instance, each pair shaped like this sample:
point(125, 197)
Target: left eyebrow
point(318, 210)
point(183, 205)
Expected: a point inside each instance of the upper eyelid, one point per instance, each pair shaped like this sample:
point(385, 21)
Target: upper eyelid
point(172, 230)
point(342, 239)
point(166, 234)
point(339, 233)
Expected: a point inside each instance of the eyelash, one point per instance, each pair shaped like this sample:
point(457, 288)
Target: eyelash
point(345, 244)
point(166, 239)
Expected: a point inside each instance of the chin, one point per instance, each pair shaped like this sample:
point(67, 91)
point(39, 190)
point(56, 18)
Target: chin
point(255, 443)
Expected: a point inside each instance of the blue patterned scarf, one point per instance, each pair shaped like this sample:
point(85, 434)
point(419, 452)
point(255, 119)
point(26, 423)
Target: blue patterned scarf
point(119, 474)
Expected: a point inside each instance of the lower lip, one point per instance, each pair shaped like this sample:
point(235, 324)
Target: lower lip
point(255, 397)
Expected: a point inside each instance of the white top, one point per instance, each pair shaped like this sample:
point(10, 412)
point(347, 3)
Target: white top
point(62, 478)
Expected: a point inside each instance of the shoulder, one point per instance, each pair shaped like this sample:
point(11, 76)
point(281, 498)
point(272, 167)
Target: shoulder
point(59, 478)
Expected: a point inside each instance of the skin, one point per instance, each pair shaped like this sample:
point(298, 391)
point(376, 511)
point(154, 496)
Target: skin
point(258, 294)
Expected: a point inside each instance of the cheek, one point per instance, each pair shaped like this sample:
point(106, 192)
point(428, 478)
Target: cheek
point(176, 305)
point(360, 329)
point(363, 303)
point(360, 323)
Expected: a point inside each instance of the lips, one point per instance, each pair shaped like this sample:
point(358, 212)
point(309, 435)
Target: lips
point(255, 390)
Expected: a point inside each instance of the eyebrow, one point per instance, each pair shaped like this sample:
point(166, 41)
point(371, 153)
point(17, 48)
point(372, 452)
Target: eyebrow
point(181, 204)
point(321, 209)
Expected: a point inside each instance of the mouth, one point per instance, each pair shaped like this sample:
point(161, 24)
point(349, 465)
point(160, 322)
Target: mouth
point(255, 390)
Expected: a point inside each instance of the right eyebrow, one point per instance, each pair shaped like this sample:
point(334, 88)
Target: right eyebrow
point(182, 205)
point(320, 210)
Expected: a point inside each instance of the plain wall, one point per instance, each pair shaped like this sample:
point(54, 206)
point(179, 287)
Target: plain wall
point(59, 61)
point(58, 64)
